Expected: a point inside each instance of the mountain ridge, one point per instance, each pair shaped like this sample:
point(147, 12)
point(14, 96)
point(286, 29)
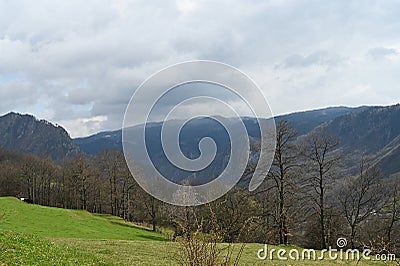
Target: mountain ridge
point(25, 133)
point(373, 130)
point(113, 139)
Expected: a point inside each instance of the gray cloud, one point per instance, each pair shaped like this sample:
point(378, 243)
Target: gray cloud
point(77, 63)
point(321, 58)
point(381, 52)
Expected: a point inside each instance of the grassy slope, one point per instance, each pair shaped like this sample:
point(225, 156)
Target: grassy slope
point(21, 249)
point(61, 223)
point(166, 253)
point(37, 235)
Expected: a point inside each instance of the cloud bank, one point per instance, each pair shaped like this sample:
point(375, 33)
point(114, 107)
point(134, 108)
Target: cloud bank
point(77, 63)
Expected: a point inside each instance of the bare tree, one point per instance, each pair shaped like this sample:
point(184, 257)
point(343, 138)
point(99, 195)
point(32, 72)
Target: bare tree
point(360, 197)
point(11, 181)
point(232, 211)
point(77, 172)
point(282, 173)
point(320, 151)
point(128, 188)
point(152, 205)
point(28, 173)
point(45, 171)
point(393, 210)
point(112, 165)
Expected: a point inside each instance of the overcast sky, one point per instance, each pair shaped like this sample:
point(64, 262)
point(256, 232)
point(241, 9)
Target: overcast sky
point(77, 63)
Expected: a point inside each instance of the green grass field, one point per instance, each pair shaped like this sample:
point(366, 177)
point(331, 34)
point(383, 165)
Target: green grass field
point(22, 249)
point(37, 235)
point(62, 223)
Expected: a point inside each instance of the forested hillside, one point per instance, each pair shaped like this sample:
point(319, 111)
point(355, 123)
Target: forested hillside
point(25, 133)
point(337, 179)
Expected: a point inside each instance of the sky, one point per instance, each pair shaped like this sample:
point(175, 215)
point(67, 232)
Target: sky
point(77, 63)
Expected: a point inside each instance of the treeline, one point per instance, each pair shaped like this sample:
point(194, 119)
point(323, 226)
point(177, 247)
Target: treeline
point(306, 198)
point(99, 184)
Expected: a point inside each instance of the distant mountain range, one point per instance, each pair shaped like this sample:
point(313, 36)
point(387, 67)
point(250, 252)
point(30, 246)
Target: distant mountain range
point(374, 131)
point(196, 129)
point(304, 122)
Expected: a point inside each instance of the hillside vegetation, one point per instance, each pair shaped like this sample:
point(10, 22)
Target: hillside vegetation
point(21, 249)
point(63, 223)
point(38, 235)
point(25, 133)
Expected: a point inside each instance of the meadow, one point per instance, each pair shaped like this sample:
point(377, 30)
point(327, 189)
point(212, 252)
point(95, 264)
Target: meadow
point(38, 235)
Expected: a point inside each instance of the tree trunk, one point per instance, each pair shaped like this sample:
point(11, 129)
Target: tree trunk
point(322, 212)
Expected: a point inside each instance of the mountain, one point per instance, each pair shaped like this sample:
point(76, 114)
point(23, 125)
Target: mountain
point(107, 140)
point(195, 130)
point(374, 131)
point(304, 122)
point(26, 134)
